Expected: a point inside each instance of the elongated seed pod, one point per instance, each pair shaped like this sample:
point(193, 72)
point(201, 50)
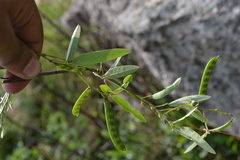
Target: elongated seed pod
point(206, 76)
point(80, 100)
point(112, 126)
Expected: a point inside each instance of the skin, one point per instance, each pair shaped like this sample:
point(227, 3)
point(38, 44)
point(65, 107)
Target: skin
point(21, 37)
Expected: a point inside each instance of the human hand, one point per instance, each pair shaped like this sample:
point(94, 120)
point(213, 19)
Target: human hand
point(21, 37)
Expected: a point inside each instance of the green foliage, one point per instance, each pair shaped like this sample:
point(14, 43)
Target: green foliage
point(72, 48)
point(66, 136)
point(99, 56)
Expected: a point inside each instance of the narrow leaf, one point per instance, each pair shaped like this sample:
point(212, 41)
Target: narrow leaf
point(125, 105)
point(191, 147)
point(194, 136)
point(197, 114)
point(73, 43)
point(99, 56)
point(116, 62)
point(187, 115)
point(223, 127)
point(167, 90)
point(188, 100)
point(120, 71)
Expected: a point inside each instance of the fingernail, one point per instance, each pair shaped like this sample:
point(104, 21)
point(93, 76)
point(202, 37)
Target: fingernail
point(33, 68)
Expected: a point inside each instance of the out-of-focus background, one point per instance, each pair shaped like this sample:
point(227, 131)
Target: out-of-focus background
point(168, 39)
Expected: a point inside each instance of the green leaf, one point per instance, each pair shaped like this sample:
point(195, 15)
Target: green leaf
point(106, 89)
point(118, 90)
point(125, 105)
point(188, 100)
point(125, 84)
point(68, 67)
point(223, 127)
point(116, 62)
point(191, 147)
point(194, 136)
point(167, 90)
point(73, 43)
point(197, 114)
point(127, 80)
point(78, 104)
point(120, 71)
point(187, 115)
point(99, 56)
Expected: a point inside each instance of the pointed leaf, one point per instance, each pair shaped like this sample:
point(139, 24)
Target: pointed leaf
point(223, 127)
point(167, 90)
point(191, 147)
point(116, 62)
point(73, 43)
point(188, 100)
point(187, 115)
point(99, 56)
point(125, 105)
point(197, 114)
point(194, 136)
point(120, 71)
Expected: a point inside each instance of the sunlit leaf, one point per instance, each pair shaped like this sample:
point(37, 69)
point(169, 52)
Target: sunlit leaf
point(197, 114)
point(223, 127)
point(194, 136)
point(125, 105)
point(99, 56)
point(188, 100)
point(73, 43)
point(120, 71)
point(167, 90)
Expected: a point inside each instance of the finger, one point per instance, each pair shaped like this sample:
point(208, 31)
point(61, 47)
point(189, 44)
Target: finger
point(28, 26)
point(13, 87)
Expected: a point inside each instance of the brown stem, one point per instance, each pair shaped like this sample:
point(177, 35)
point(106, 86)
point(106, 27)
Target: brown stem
point(15, 79)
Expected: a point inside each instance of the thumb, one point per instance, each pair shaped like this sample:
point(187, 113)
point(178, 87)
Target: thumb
point(15, 56)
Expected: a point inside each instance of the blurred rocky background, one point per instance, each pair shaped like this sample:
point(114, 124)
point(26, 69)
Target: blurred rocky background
point(174, 38)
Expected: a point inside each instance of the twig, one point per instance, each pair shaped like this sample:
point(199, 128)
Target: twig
point(16, 79)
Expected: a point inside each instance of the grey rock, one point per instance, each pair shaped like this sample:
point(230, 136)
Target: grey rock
point(175, 38)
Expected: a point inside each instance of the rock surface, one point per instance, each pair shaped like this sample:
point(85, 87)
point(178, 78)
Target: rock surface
point(175, 38)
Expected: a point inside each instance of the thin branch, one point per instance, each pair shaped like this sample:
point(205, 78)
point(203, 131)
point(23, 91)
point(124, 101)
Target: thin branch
point(15, 79)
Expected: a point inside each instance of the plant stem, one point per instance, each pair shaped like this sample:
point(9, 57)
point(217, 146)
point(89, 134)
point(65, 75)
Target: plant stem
point(15, 79)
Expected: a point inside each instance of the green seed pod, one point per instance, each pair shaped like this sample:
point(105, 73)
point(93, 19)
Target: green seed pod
point(206, 76)
point(80, 100)
point(112, 126)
